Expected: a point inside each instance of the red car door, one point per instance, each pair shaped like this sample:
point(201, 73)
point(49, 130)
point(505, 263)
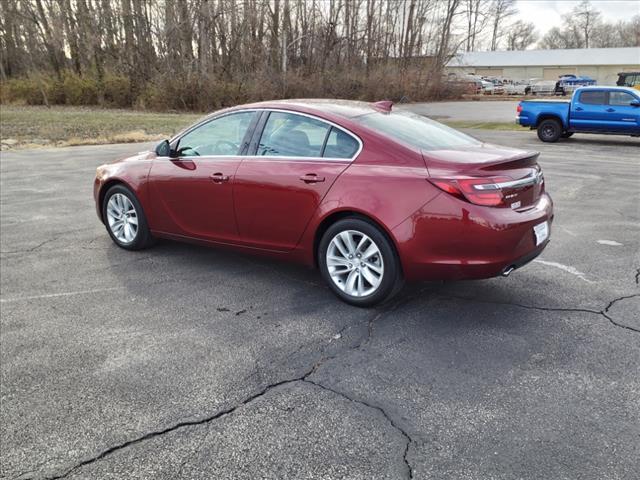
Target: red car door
point(278, 188)
point(192, 194)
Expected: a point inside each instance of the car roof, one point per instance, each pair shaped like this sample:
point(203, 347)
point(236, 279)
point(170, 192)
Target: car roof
point(333, 107)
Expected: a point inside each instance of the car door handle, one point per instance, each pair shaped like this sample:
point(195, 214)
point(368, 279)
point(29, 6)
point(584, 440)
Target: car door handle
point(219, 177)
point(311, 178)
point(578, 109)
point(611, 109)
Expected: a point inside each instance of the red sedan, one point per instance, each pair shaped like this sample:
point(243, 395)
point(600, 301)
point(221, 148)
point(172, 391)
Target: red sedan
point(370, 194)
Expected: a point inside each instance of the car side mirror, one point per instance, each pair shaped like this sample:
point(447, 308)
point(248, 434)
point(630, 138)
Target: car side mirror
point(635, 103)
point(164, 150)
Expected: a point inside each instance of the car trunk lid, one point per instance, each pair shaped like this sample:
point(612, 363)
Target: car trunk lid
point(488, 175)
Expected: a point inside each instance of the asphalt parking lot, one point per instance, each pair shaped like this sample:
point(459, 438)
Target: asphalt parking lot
point(474, 111)
point(187, 362)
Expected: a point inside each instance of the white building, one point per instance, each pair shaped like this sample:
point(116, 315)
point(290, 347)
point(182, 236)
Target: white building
point(602, 64)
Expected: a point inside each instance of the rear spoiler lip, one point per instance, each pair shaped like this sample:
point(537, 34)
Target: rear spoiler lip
point(435, 165)
point(533, 179)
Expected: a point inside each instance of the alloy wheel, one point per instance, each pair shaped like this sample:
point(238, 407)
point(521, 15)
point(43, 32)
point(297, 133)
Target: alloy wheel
point(355, 263)
point(122, 218)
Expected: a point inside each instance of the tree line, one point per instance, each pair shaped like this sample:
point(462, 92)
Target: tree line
point(201, 54)
point(584, 27)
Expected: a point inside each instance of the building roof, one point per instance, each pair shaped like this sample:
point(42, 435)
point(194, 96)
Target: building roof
point(544, 58)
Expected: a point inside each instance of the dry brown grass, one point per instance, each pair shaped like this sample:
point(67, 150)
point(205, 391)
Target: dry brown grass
point(32, 127)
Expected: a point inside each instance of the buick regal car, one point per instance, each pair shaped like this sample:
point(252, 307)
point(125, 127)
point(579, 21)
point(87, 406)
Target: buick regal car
point(368, 194)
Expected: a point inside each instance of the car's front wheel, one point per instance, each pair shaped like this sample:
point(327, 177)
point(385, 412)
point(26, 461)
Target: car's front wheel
point(125, 220)
point(549, 130)
point(359, 263)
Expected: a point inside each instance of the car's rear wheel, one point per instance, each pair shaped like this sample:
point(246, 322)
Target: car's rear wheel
point(359, 263)
point(549, 130)
point(125, 220)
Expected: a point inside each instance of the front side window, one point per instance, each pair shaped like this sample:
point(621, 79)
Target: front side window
point(416, 130)
point(221, 136)
point(291, 135)
point(597, 97)
point(621, 98)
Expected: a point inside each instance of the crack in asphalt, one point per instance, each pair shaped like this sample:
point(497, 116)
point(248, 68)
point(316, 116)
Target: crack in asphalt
point(554, 309)
point(605, 312)
point(407, 437)
point(176, 426)
point(259, 394)
point(55, 237)
point(30, 249)
point(310, 371)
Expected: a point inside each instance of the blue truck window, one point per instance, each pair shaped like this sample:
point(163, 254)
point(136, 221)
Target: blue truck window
point(597, 97)
point(620, 98)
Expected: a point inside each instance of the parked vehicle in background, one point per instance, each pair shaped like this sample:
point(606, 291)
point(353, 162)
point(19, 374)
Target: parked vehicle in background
point(529, 84)
point(568, 83)
point(472, 84)
point(487, 87)
point(498, 86)
point(629, 79)
point(465, 83)
point(516, 88)
point(606, 110)
point(354, 189)
point(543, 87)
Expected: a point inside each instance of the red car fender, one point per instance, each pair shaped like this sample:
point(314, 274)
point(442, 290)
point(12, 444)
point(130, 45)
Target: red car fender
point(133, 172)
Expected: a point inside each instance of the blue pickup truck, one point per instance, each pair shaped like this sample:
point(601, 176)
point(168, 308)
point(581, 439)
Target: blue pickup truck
point(607, 110)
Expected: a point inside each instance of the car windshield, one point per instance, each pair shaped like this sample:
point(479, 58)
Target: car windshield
point(416, 130)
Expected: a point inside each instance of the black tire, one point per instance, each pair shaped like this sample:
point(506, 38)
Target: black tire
point(392, 280)
point(549, 130)
point(143, 237)
point(567, 134)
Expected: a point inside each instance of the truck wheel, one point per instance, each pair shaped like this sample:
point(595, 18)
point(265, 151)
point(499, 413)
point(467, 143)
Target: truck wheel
point(566, 134)
point(549, 130)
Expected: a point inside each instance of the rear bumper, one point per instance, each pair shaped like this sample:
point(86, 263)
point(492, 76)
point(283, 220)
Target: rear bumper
point(449, 239)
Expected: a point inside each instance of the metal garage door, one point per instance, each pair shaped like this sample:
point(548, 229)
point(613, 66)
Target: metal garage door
point(554, 73)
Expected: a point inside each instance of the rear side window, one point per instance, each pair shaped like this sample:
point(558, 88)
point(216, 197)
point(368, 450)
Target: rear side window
point(598, 97)
point(416, 130)
point(291, 135)
point(340, 145)
point(620, 98)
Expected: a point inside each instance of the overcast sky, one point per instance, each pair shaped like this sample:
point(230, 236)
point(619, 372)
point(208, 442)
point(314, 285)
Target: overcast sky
point(548, 13)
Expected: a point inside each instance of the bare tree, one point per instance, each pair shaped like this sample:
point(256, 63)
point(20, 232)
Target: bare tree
point(477, 18)
point(203, 53)
point(521, 35)
point(500, 11)
point(583, 28)
point(585, 18)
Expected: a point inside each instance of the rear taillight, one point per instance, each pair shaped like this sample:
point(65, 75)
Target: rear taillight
point(519, 108)
point(479, 190)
